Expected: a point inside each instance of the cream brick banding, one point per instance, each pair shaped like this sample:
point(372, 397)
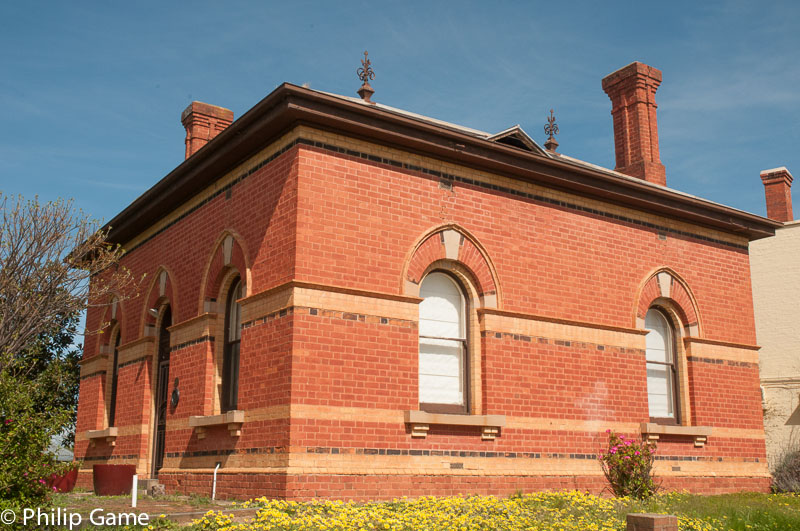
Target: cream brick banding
point(201, 326)
point(396, 416)
point(560, 329)
point(135, 350)
point(327, 297)
point(95, 364)
point(366, 465)
point(557, 424)
point(705, 348)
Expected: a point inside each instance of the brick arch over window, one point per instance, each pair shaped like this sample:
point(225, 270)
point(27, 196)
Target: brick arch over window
point(453, 243)
point(665, 284)
point(112, 317)
point(162, 289)
point(229, 252)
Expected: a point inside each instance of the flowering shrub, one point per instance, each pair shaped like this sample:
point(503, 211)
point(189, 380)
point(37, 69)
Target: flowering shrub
point(628, 466)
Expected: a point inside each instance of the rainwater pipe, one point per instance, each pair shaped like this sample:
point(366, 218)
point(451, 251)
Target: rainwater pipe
point(214, 484)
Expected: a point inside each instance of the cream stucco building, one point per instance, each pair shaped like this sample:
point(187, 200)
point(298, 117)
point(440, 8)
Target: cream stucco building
point(775, 264)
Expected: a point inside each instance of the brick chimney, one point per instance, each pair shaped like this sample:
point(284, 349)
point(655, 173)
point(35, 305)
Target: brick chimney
point(778, 189)
point(203, 122)
point(632, 90)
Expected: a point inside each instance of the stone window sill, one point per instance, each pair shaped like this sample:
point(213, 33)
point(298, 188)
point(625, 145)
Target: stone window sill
point(108, 434)
point(420, 421)
point(651, 431)
point(233, 419)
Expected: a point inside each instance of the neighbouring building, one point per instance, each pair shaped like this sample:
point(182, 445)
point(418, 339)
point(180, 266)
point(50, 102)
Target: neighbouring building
point(775, 265)
point(349, 300)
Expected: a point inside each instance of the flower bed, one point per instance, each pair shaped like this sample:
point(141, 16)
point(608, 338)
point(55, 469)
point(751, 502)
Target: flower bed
point(540, 511)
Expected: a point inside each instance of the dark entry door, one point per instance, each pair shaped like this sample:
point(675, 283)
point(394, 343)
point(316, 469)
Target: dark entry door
point(162, 383)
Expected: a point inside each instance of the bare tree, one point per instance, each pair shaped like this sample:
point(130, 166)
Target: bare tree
point(53, 262)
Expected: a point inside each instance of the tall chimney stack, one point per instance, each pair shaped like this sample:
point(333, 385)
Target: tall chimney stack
point(632, 90)
point(778, 190)
point(203, 122)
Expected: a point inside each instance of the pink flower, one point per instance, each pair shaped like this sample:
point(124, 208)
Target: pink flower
point(8, 421)
point(627, 443)
point(627, 457)
point(42, 481)
point(608, 430)
point(613, 450)
point(636, 452)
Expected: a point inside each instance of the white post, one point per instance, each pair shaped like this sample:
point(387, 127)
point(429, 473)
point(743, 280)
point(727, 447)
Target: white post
point(214, 484)
point(135, 490)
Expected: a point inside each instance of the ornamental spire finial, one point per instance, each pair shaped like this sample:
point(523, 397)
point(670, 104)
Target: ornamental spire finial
point(365, 73)
point(551, 129)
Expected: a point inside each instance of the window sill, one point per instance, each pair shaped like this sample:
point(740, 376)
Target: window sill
point(420, 421)
point(233, 419)
point(108, 434)
point(651, 431)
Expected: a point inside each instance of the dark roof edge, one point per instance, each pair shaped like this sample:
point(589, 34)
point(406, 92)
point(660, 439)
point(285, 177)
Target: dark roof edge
point(289, 105)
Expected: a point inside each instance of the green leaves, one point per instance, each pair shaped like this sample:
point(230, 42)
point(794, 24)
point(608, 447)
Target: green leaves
point(25, 435)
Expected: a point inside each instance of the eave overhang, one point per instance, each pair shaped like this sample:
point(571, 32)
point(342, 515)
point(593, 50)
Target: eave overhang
point(289, 106)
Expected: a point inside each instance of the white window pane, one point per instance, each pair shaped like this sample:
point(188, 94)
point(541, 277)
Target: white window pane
point(658, 339)
point(657, 354)
point(440, 312)
point(659, 391)
point(440, 390)
point(439, 357)
point(441, 307)
point(432, 328)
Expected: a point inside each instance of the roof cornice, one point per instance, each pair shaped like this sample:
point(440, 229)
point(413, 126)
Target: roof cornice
point(289, 106)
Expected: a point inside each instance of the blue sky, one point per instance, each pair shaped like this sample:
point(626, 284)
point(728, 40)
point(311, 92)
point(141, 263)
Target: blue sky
point(91, 92)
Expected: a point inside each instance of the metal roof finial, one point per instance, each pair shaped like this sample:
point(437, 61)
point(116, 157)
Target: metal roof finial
point(551, 129)
point(365, 73)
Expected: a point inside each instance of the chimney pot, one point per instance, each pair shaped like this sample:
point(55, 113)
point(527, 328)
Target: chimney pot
point(778, 192)
point(632, 91)
point(203, 122)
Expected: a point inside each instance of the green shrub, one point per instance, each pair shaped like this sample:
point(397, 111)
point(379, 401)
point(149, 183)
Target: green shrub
point(25, 436)
point(628, 466)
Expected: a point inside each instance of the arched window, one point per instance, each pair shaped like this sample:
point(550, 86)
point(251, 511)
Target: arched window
point(662, 374)
point(233, 337)
point(443, 358)
point(112, 403)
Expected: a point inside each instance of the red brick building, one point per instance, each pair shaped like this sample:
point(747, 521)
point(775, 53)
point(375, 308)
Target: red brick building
point(348, 300)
